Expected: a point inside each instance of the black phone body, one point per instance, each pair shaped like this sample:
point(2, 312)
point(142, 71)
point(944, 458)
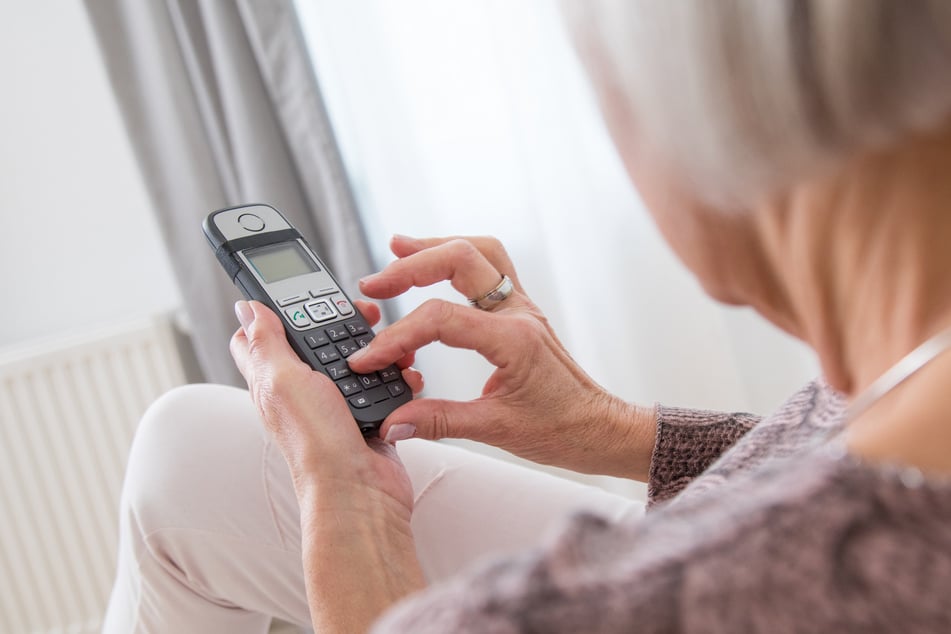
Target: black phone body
point(271, 262)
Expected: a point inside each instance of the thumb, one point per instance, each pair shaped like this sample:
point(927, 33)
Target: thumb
point(260, 342)
point(436, 418)
point(264, 330)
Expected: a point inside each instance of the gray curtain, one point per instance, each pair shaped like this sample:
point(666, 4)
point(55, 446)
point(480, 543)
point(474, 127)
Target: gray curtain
point(222, 107)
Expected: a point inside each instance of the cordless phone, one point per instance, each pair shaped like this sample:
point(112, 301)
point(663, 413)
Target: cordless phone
point(269, 261)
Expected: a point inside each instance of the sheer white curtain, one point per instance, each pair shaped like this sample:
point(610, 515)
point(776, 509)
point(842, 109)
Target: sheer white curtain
point(473, 117)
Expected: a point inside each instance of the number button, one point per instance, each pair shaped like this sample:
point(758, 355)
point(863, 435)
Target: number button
point(338, 370)
point(347, 348)
point(364, 340)
point(336, 333)
point(316, 339)
point(396, 389)
point(327, 354)
point(356, 328)
point(368, 380)
point(349, 386)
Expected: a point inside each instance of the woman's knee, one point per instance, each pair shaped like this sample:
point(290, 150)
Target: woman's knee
point(185, 446)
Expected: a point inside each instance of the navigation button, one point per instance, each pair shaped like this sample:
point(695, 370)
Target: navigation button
point(297, 317)
point(320, 311)
point(342, 304)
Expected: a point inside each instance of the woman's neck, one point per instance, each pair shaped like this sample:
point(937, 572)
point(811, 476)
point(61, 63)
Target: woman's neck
point(863, 260)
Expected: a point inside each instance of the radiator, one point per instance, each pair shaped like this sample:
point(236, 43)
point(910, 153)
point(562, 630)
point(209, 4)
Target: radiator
point(68, 410)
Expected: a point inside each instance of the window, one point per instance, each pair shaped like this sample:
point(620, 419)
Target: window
point(474, 117)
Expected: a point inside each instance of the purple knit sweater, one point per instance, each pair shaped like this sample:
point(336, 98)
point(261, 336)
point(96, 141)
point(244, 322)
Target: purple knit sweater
point(755, 526)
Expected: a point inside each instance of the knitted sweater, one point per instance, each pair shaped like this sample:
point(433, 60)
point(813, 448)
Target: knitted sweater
point(755, 526)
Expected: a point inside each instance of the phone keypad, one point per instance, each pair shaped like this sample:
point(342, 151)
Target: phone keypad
point(333, 344)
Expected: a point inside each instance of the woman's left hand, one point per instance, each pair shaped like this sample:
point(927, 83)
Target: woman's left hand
point(355, 496)
point(305, 413)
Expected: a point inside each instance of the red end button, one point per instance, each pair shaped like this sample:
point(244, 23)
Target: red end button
point(342, 305)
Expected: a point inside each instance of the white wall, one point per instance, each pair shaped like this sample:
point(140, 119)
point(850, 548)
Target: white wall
point(80, 248)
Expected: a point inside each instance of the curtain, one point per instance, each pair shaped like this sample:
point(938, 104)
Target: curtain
point(223, 108)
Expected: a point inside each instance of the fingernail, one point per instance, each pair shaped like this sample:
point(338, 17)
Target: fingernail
point(405, 238)
point(422, 379)
point(401, 431)
point(245, 315)
point(367, 278)
point(359, 354)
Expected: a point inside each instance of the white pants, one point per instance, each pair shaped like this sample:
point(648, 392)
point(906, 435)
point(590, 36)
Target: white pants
point(210, 527)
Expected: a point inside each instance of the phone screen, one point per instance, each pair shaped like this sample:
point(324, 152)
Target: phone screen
point(281, 261)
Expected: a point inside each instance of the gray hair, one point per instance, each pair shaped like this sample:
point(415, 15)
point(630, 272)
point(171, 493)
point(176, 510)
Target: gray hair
point(746, 97)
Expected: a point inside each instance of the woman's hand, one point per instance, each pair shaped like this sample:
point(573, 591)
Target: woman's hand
point(537, 403)
point(355, 497)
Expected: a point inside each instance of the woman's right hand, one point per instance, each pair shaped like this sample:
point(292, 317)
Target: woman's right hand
point(538, 403)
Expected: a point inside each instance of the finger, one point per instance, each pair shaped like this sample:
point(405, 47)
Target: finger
point(435, 419)
point(370, 311)
point(491, 248)
point(261, 339)
point(280, 383)
point(458, 261)
point(495, 336)
point(414, 379)
point(406, 361)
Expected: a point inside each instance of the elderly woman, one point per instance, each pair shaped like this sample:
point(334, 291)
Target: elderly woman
point(797, 157)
